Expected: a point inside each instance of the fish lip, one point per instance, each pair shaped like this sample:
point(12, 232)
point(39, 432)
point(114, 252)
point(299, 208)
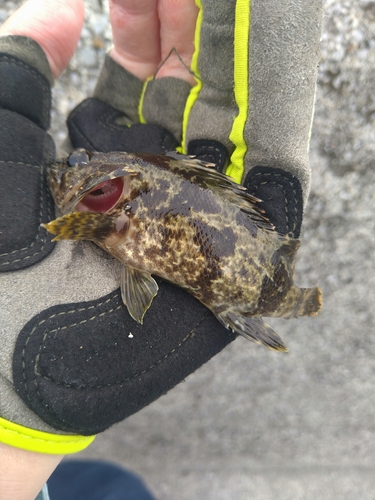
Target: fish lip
point(70, 201)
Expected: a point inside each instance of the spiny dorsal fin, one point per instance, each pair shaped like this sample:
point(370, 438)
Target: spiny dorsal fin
point(204, 175)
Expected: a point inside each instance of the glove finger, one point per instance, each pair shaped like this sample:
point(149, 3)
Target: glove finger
point(273, 76)
point(25, 201)
point(283, 56)
point(159, 102)
point(282, 86)
point(25, 79)
point(270, 91)
point(24, 198)
point(111, 121)
point(119, 88)
point(211, 106)
point(94, 125)
point(163, 104)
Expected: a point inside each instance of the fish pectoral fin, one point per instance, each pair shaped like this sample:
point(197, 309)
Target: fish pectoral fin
point(138, 288)
point(253, 329)
point(81, 226)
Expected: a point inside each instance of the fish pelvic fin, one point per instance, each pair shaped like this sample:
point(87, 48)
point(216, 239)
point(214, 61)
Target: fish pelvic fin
point(138, 288)
point(81, 226)
point(253, 329)
point(300, 302)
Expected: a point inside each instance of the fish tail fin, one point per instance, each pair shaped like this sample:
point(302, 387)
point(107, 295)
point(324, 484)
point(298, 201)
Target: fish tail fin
point(300, 302)
point(311, 303)
point(81, 226)
point(253, 329)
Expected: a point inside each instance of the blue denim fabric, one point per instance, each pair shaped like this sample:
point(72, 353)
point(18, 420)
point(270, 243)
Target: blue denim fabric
point(95, 480)
point(43, 495)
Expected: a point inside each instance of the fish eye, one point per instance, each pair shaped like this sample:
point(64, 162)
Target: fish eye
point(78, 157)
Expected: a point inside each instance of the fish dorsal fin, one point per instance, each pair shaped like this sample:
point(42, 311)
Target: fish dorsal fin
point(138, 288)
point(206, 176)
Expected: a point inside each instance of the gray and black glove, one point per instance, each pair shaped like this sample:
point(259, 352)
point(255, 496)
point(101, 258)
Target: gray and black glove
point(73, 361)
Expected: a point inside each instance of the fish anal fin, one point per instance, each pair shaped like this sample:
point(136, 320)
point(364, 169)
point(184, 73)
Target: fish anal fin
point(253, 329)
point(138, 288)
point(81, 226)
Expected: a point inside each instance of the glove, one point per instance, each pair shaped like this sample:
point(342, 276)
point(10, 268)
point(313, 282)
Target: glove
point(82, 366)
point(70, 366)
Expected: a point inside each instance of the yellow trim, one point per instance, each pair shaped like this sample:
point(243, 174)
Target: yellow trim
point(194, 93)
point(43, 442)
point(141, 100)
point(241, 88)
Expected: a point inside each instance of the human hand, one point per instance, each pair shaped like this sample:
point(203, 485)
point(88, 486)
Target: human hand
point(105, 365)
point(25, 80)
point(76, 364)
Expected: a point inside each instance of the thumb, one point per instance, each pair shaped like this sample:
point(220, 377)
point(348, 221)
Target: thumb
point(55, 24)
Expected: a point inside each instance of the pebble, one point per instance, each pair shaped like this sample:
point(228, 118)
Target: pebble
point(88, 57)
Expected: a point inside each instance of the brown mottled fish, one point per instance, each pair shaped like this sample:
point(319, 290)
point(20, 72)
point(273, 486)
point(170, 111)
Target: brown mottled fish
point(178, 218)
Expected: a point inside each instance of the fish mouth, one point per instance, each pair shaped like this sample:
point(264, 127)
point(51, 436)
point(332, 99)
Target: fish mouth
point(102, 197)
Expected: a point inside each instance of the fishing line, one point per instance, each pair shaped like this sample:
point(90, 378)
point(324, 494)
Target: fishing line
point(175, 51)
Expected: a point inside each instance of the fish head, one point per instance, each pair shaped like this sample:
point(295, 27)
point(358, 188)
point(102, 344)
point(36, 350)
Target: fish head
point(90, 182)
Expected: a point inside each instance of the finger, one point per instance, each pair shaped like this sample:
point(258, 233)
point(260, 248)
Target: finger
point(55, 24)
point(177, 27)
point(135, 29)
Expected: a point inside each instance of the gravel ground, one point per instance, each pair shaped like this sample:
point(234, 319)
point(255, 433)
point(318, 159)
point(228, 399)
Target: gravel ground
point(252, 423)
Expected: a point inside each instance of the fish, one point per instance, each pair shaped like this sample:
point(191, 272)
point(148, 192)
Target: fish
point(178, 218)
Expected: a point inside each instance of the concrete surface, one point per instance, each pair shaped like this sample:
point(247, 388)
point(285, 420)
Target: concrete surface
point(253, 424)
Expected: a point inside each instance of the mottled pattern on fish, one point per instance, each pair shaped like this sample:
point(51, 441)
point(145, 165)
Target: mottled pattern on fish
point(184, 222)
